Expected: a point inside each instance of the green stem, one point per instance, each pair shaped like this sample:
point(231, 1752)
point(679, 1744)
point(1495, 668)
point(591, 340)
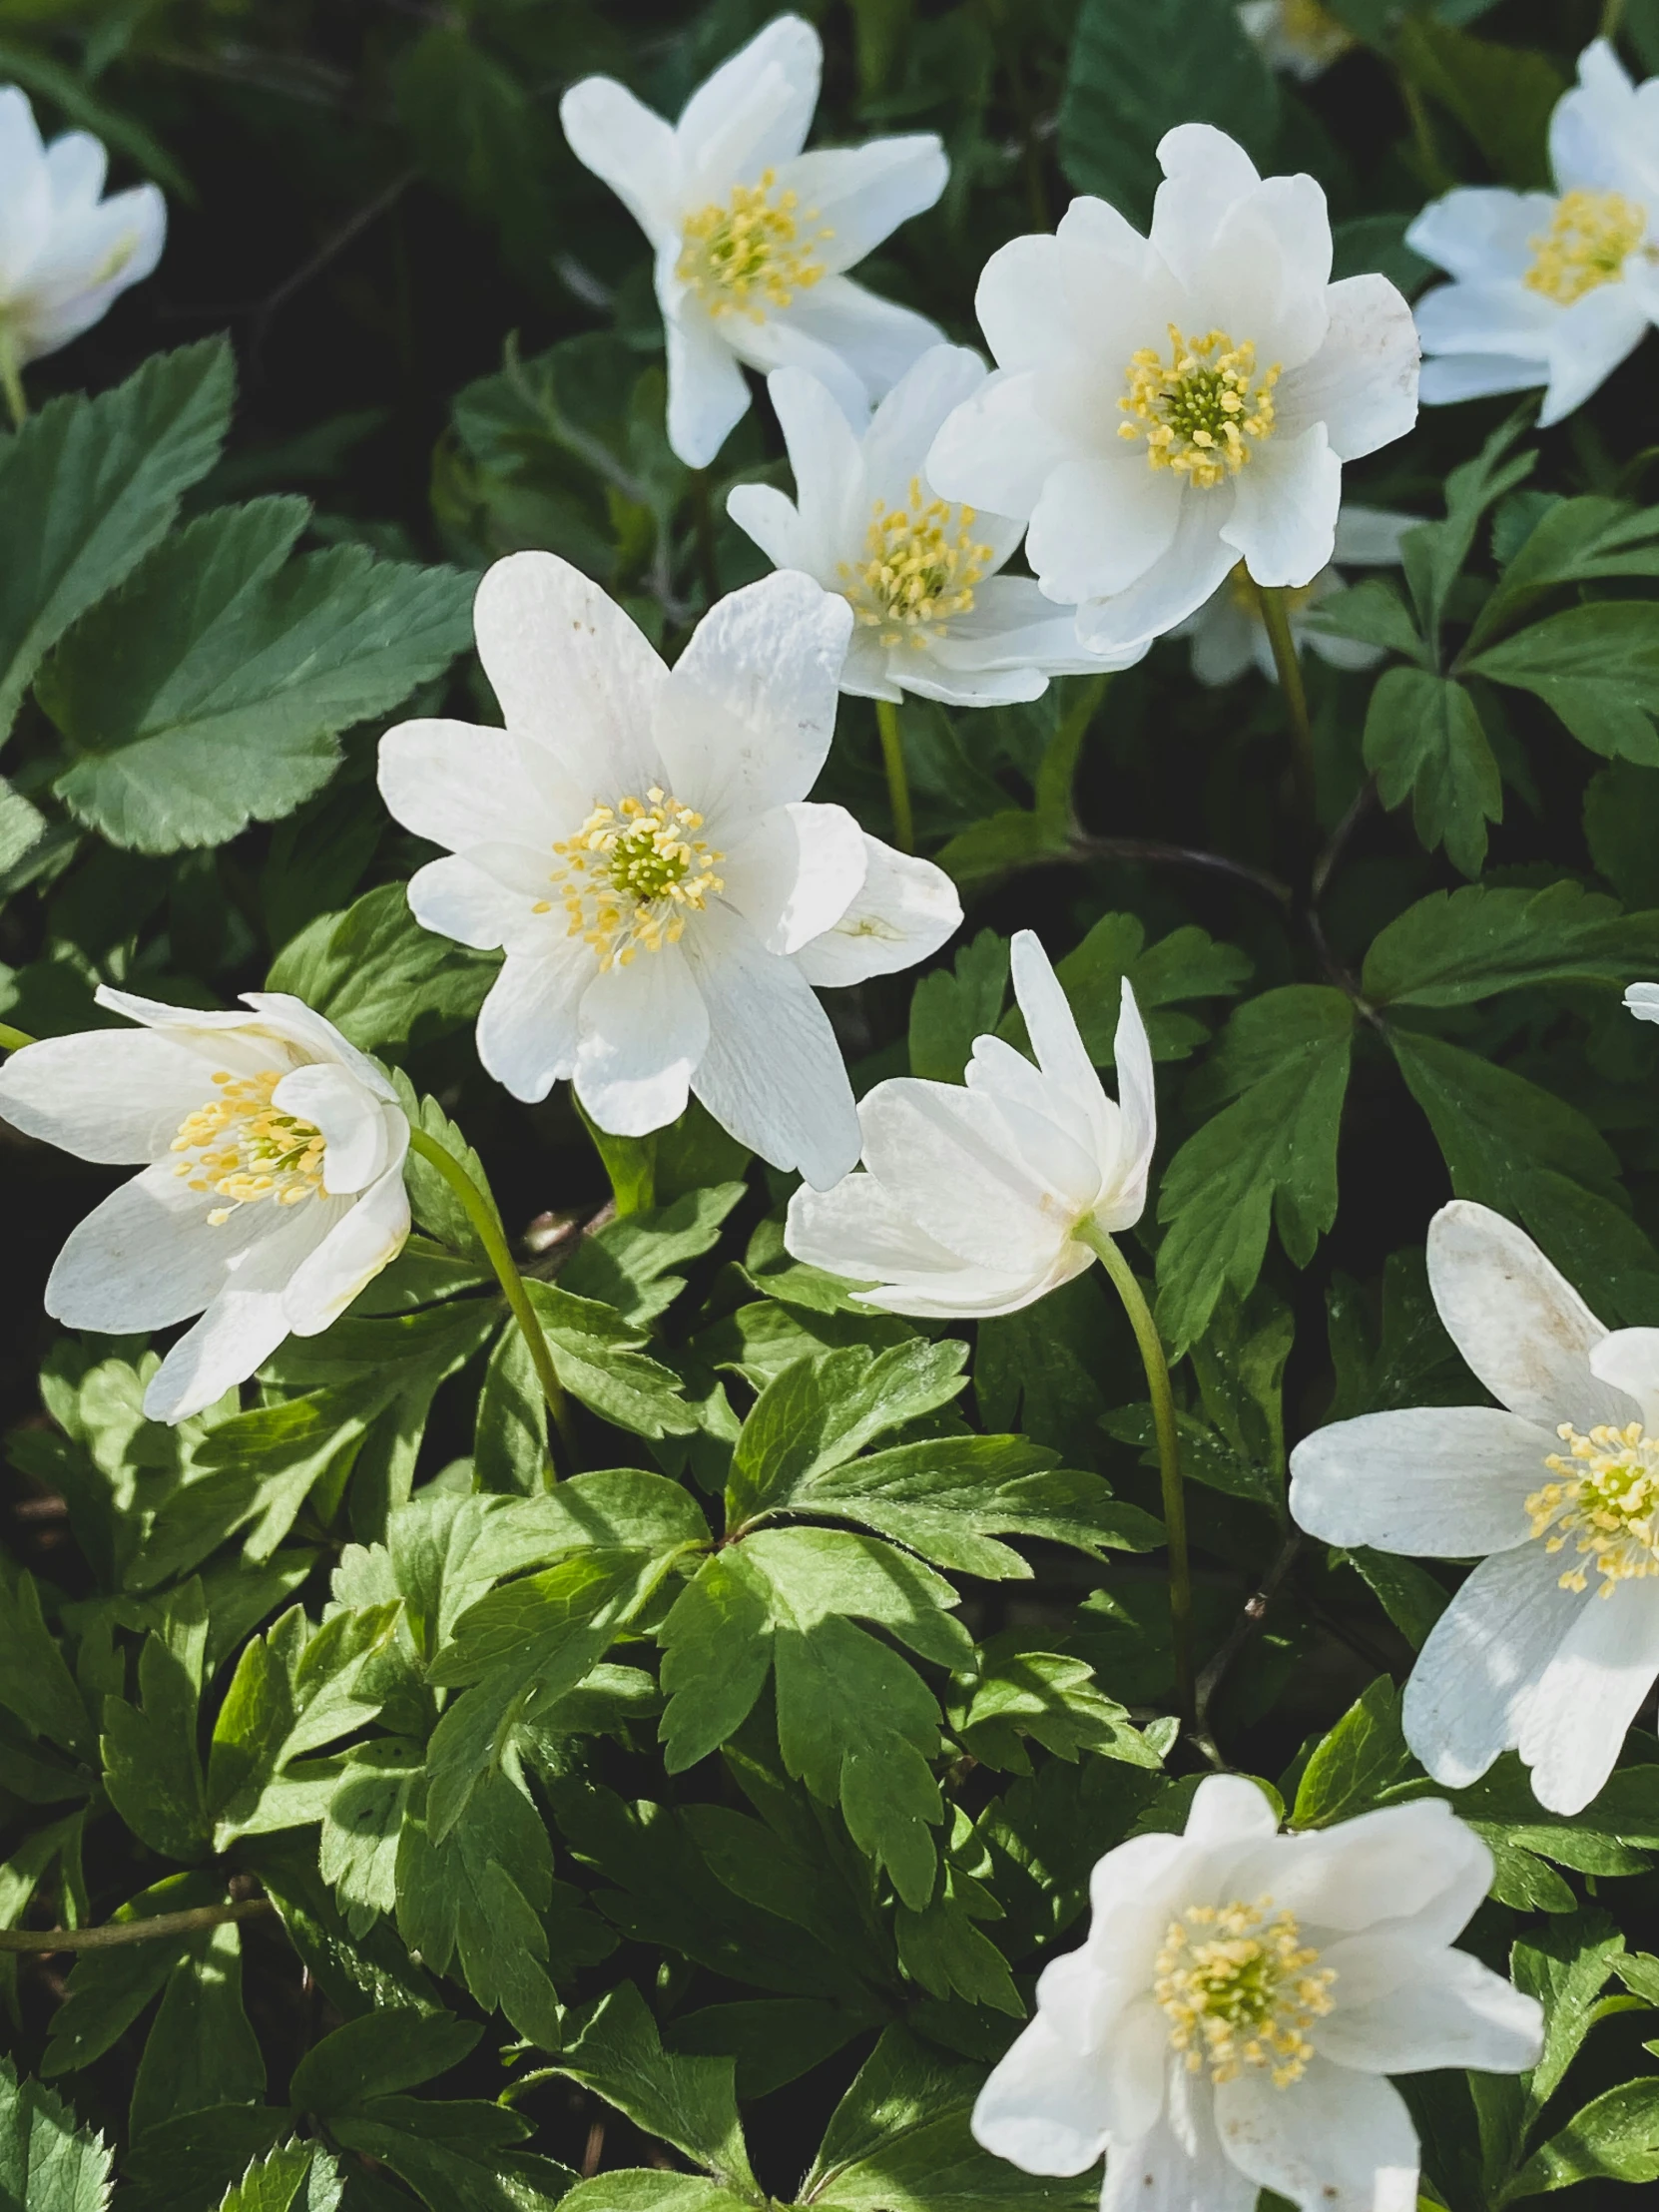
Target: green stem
point(159, 1924)
point(12, 1040)
point(898, 781)
point(1275, 618)
point(1169, 1456)
point(481, 1213)
point(1613, 16)
point(11, 380)
point(630, 1162)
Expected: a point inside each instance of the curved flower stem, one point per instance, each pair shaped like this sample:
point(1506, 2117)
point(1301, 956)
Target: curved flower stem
point(12, 1040)
point(1169, 1457)
point(1276, 616)
point(41, 1940)
point(11, 380)
point(481, 1214)
point(898, 781)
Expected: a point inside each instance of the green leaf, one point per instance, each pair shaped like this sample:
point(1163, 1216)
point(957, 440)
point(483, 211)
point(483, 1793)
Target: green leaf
point(379, 977)
point(1502, 96)
point(210, 690)
point(88, 486)
point(1271, 1155)
point(950, 1007)
point(1186, 965)
point(1137, 72)
point(201, 2052)
point(1573, 541)
point(626, 1262)
point(1423, 739)
point(1050, 1697)
point(376, 2056)
point(1596, 666)
point(1351, 1767)
point(35, 1683)
point(1566, 1967)
point(1433, 554)
point(598, 1359)
point(1410, 1596)
point(186, 2165)
point(272, 2183)
point(1455, 948)
point(108, 1990)
point(1615, 2137)
point(47, 2161)
point(1373, 613)
point(151, 1770)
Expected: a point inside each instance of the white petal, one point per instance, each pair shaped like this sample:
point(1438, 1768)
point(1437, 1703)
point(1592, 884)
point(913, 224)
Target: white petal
point(746, 717)
point(351, 1120)
point(1370, 537)
point(1284, 504)
point(793, 871)
point(905, 909)
point(1594, 335)
point(769, 516)
point(1629, 1361)
point(1000, 448)
point(109, 1095)
point(94, 256)
point(831, 499)
point(1434, 1482)
point(1206, 175)
point(1197, 561)
point(907, 422)
point(1362, 382)
point(280, 1016)
point(1517, 1320)
point(1102, 524)
point(1642, 1000)
point(1179, 2165)
point(1044, 2104)
point(840, 330)
point(1482, 233)
point(527, 1029)
point(1022, 305)
point(1267, 270)
point(644, 1029)
point(570, 669)
point(1573, 1723)
point(862, 193)
point(1442, 2008)
point(354, 1251)
point(146, 1257)
point(1229, 1808)
point(1409, 1865)
point(860, 1230)
point(631, 149)
point(25, 189)
point(248, 1318)
point(456, 899)
point(1449, 378)
point(1137, 1128)
point(980, 1294)
point(454, 784)
point(1049, 1020)
point(1496, 315)
point(773, 1073)
point(706, 394)
point(1338, 2141)
point(756, 108)
point(76, 167)
point(948, 1151)
point(1488, 1648)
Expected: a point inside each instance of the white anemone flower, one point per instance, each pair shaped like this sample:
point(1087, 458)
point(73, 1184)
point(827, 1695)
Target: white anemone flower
point(639, 841)
point(1299, 38)
point(1231, 2021)
point(272, 1183)
point(1552, 1643)
point(1227, 632)
point(1551, 289)
point(931, 614)
point(973, 1199)
point(752, 237)
point(66, 253)
point(1169, 406)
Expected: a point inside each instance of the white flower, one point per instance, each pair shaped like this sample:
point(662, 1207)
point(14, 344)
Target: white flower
point(932, 616)
point(972, 1199)
point(1552, 290)
point(64, 254)
point(752, 236)
point(1227, 632)
point(1298, 37)
point(1242, 1996)
point(272, 1188)
point(1168, 406)
point(637, 840)
point(1552, 1643)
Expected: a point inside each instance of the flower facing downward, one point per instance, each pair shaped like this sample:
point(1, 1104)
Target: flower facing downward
point(972, 1199)
point(1242, 1995)
point(1168, 406)
point(1552, 1643)
point(1227, 632)
point(931, 614)
point(1552, 290)
point(637, 840)
point(65, 252)
point(272, 1183)
point(752, 236)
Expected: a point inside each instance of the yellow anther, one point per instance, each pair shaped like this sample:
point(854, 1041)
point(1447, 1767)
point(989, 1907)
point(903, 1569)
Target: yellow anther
point(751, 252)
point(1605, 1504)
point(631, 875)
point(920, 565)
point(1203, 410)
point(239, 1147)
point(1239, 1988)
point(1592, 235)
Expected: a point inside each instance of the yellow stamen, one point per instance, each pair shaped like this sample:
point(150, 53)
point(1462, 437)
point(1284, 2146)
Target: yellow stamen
point(1203, 410)
point(631, 876)
point(751, 253)
point(920, 565)
point(1592, 235)
point(1605, 1503)
point(1239, 1989)
point(240, 1148)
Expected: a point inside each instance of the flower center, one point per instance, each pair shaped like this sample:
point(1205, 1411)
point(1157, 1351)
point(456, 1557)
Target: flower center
point(632, 874)
point(751, 252)
point(1203, 409)
point(240, 1148)
point(1605, 1504)
point(1591, 238)
point(1237, 1988)
point(919, 568)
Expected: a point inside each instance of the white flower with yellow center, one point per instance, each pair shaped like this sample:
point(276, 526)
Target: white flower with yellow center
point(752, 237)
point(1298, 37)
point(1551, 1645)
point(1551, 288)
point(638, 841)
point(1229, 2022)
point(65, 252)
point(1227, 632)
point(271, 1187)
point(931, 614)
point(973, 1197)
point(1169, 406)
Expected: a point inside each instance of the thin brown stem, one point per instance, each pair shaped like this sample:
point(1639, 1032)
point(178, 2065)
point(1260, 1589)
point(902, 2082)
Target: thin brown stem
point(1152, 852)
point(41, 1940)
point(1249, 1621)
